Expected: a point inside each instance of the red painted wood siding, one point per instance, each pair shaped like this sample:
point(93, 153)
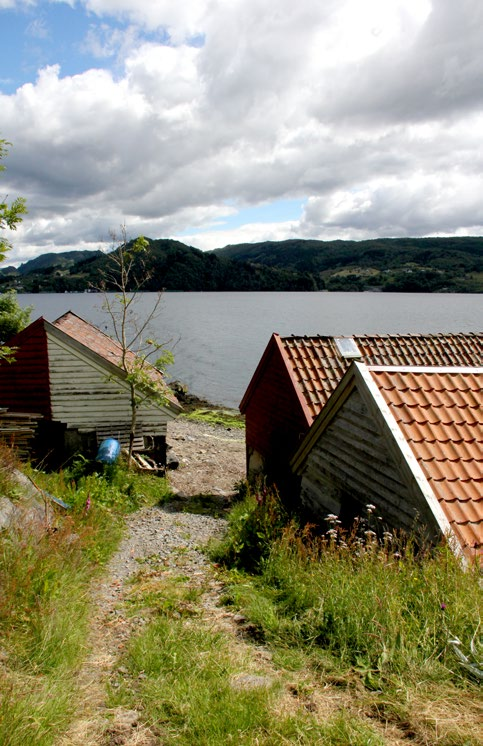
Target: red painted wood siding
point(24, 384)
point(275, 422)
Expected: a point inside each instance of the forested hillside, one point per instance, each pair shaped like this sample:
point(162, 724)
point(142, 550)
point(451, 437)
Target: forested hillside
point(167, 264)
point(387, 265)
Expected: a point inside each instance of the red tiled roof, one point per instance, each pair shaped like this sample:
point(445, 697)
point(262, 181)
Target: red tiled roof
point(317, 366)
point(104, 346)
point(440, 413)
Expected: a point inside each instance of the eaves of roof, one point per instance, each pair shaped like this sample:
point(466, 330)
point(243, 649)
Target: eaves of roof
point(102, 349)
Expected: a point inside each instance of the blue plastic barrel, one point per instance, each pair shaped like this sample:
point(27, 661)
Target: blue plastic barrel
point(109, 451)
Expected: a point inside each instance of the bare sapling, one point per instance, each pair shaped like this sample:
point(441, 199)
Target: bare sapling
point(125, 276)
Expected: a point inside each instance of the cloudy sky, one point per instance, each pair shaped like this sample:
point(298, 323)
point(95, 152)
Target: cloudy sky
point(222, 121)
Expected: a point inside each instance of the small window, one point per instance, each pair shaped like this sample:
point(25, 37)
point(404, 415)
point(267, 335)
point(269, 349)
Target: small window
point(347, 347)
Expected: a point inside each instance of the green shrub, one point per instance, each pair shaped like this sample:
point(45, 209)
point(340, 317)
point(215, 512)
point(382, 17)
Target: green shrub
point(254, 524)
point(111, 487)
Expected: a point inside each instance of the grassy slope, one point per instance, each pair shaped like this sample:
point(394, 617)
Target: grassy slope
point(348, 645)
point(45, 577)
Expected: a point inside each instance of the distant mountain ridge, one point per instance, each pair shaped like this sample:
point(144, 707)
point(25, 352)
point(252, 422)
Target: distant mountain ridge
point(50, 260)
point(388, 264)
point(383, 264)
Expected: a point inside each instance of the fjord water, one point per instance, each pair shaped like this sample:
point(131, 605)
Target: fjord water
point(218, 338)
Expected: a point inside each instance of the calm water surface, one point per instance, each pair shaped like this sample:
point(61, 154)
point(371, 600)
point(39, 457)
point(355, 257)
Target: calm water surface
point(218, 338)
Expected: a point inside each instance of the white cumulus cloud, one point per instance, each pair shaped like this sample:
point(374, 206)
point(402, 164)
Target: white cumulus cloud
point(369, 113)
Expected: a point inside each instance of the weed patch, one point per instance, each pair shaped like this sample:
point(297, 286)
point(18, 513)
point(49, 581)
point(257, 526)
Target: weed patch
point(253, 525)
point(227, 418)
point(363, 606)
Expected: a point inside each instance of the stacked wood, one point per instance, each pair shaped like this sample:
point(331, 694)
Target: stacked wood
point(18, 429)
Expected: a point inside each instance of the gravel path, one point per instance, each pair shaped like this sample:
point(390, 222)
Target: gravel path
point(212, 458)
point(167, 540)
point(211, 461)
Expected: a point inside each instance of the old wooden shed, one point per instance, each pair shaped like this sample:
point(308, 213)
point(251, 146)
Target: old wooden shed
point(68, 372)
point(296, 376)
point(408, 440)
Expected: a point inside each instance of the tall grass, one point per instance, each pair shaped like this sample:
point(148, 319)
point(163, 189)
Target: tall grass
point(380, 612)
point(45, 577)
point(44, 607)
point(382, 605)
point(188, 680)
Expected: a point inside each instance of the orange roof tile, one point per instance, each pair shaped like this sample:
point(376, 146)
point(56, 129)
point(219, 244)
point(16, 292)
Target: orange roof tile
point(440, 413)
point(317, 366)
point(104, 346)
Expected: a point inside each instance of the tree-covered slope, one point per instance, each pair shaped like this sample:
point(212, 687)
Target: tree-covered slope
point(167, 265)
point(399, 265)
point(454, 264)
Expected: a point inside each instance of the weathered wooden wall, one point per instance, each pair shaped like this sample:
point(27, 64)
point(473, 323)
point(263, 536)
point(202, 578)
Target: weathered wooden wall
point(85, 397)
point(352, 464)
point(24, 383)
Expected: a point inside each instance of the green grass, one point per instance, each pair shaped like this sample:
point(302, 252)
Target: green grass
point(360, 621)
point(43, 621)
point(379, 611)
point(377, 604)
point(228, 418)
point(184, 676)
point(45, 578)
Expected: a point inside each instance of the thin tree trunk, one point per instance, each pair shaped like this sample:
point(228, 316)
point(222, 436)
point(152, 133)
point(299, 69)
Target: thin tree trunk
point(132, 431)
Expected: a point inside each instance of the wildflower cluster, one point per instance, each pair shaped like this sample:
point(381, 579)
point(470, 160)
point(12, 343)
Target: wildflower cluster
point(367, 534)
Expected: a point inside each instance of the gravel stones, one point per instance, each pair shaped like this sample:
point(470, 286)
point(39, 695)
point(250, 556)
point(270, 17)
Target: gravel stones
point(211, 458)
point(157, 535)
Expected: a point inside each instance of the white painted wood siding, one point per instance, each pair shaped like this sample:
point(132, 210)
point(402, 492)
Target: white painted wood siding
point(353, 460)
point(84, 396)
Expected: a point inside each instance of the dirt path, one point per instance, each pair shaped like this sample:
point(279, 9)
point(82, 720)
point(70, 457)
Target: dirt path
point(212, 458)
point(166, 541)
point(211, 461)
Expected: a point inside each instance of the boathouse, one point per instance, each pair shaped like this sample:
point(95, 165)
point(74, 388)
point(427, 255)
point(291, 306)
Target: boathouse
point(69, 372)
point(296, 376)
point(409, 440)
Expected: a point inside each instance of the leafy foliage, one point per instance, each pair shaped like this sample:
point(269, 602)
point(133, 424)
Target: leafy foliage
point(254, 524)
point(10, 214)
point(13, 318)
